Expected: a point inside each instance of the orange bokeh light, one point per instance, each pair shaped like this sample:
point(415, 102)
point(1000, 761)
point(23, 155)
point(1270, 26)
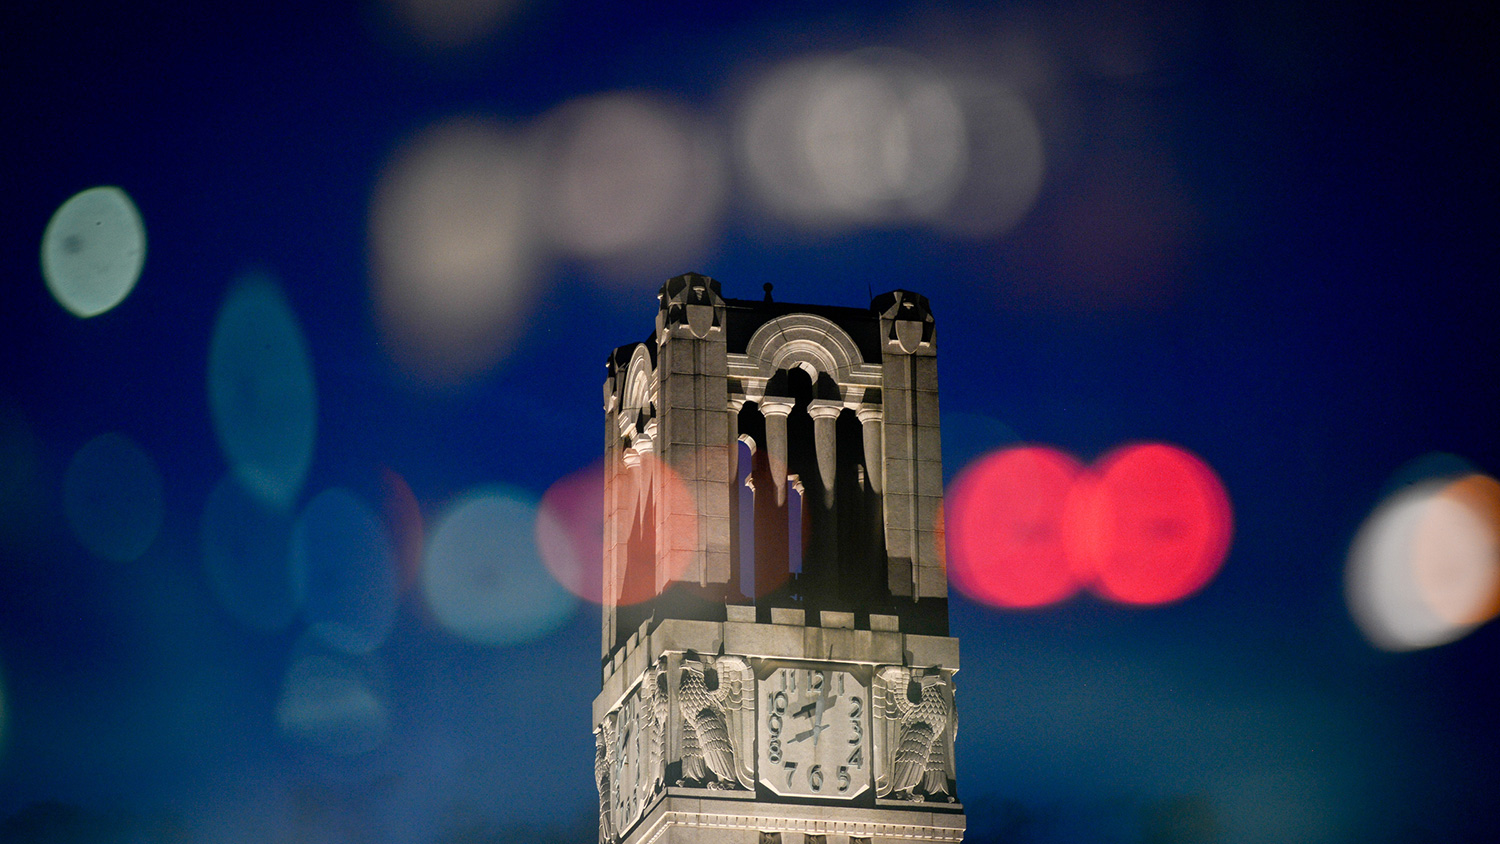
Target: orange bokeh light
point(1005, 527)
point(1454, 551)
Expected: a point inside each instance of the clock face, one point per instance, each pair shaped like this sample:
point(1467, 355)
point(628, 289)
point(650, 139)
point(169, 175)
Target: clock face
point(630, 778)
point(813, 732)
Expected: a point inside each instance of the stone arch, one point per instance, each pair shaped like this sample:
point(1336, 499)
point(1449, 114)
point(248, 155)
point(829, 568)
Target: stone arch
point(806, 341)
point(636, 398)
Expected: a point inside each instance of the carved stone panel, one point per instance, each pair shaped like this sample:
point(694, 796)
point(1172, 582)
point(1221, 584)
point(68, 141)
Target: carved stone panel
point(915, 723)
point(715, 697)
point(628, 776)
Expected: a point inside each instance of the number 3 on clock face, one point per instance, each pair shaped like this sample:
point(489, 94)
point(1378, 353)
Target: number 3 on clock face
point(812, 728)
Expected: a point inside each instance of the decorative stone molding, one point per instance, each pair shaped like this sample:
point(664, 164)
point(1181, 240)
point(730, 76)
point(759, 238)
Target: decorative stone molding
point(792, 339)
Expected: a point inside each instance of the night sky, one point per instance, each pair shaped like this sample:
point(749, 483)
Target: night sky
point(1260, 232)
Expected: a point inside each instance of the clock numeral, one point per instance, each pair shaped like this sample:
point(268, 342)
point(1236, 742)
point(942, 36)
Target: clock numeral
point(854, 706)
point(844, 779)
point(791, 768)
point(859, 732)
point(857, 756)
point(815, 680)
point(774, 722)
point(815, 777)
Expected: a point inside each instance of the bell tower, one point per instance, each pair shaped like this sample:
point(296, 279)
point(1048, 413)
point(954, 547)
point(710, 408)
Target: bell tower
point(775, 653)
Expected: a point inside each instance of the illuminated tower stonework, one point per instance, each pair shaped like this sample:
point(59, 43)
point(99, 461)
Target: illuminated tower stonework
point(775, 650)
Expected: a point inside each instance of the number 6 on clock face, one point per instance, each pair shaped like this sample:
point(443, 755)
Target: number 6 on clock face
point(812, 728)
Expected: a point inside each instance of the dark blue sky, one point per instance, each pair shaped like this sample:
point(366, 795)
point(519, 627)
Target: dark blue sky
point(1264, 232)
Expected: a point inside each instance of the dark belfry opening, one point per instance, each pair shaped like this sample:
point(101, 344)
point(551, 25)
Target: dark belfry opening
point(861, 569)
point(744, 512)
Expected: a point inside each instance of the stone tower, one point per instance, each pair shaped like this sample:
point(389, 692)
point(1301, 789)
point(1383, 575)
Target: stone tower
point(775, 650)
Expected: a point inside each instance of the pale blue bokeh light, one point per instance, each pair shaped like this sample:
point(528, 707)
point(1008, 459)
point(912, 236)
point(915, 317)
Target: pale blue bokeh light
point(330, 704)
point(93, 250)
point(483, 576)
point(261, 391)
point(246, 557)
point(112, 496)
point(344, 572)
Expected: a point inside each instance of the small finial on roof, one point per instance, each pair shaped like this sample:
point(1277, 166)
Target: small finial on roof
point(767, 287)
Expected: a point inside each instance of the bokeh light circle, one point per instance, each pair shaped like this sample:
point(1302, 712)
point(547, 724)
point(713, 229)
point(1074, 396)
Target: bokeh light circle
point(1151, 524)
point(93, 250)
point(872, 136)
point(344, 572)
point(1424, 567)
point(246, 546)
point(1456, 551)
point(1006, 162)
point(570, 532)
point(330, 704)
point(482, 574)
point(453, 248)
point(261, 391)
point(1005, 527)
point(112, 496)
point(630, 183)
point(570, 528)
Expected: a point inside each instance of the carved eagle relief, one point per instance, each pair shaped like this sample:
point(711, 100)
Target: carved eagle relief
point(715, 697)
point(654, 713)
point(915, 724)
point(604, 759)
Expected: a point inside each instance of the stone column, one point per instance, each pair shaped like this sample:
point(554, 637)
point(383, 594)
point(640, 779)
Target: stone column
point(869, 424)
point(776, 409)
point(825, 415)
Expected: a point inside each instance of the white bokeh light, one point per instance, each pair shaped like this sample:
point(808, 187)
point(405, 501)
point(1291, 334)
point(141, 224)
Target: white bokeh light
point(631, 183)
point(450, 24)
point(1006, 161)
point(453, 248)
point(1423, 569)
point(871, 137)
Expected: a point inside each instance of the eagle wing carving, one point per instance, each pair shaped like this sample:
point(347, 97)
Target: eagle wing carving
point(916, 710)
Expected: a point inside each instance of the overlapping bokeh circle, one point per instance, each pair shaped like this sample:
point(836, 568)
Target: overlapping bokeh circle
point(1148, 523)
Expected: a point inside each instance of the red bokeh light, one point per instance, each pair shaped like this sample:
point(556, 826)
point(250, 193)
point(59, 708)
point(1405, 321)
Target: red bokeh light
point(1005, 527)
point(1147, 524)
point(570, 532)
point(1150, 524)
